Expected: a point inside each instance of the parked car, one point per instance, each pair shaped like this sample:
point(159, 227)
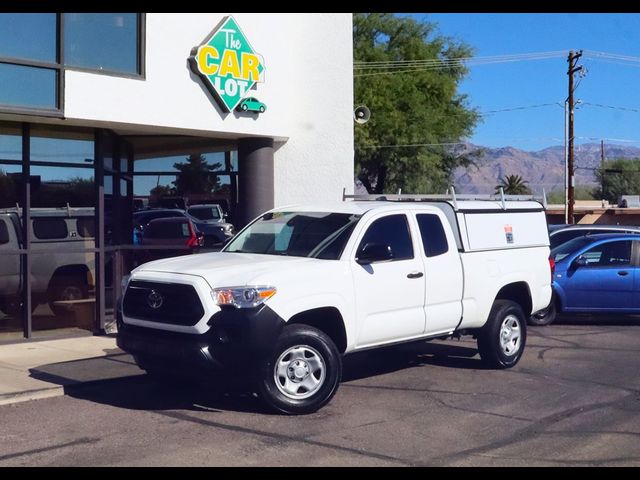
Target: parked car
point(174, 232)
point(561, 235)
point(61, 271)
point(298, 289)
point(210, 219)
point(595, 273)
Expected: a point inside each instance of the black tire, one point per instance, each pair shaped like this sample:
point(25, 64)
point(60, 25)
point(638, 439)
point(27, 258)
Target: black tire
point(505, 314)
point(13, 306)
point(73, 287)
point(546, 316)
point(305, 348)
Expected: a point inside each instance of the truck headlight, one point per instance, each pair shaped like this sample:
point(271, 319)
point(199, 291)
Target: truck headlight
point(242, 297)
point(228, 229)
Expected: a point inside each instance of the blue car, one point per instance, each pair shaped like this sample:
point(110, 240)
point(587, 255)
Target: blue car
point(594, 274)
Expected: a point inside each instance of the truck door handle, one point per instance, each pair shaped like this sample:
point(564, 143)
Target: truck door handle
point(623, 273)
point(415, 275)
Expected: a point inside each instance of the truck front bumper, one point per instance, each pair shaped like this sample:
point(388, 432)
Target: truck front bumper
point(238, 341)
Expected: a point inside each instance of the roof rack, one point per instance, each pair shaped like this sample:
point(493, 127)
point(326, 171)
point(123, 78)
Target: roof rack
point(449, 196)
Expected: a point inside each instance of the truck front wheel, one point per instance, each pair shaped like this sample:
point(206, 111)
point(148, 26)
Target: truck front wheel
point(502, 339)
point(303, 372)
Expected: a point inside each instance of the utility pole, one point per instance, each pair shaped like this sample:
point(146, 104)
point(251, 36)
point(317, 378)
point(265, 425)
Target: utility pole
point(602, 168)
point(573, 60)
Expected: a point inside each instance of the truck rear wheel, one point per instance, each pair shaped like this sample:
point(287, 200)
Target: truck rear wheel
point(303, 372)
point(502, 339)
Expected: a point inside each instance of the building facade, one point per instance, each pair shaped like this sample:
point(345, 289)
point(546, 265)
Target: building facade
point(106, 115)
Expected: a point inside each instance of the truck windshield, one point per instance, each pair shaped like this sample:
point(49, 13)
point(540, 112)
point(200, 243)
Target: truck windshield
point(297, 234)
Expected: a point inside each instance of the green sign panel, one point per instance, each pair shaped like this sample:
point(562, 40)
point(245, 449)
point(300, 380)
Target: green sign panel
point(227, 64)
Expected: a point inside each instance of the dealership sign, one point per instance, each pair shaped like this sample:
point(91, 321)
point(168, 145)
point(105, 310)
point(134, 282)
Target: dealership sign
point(227, 64)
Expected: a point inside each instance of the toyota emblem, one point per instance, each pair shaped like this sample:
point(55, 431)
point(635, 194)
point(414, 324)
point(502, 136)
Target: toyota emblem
point(154, 299)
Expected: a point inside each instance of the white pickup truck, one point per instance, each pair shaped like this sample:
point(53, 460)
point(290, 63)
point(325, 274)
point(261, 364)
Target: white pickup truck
point(302, 286)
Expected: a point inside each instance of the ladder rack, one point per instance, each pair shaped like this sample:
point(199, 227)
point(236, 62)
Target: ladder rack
point(450, 196)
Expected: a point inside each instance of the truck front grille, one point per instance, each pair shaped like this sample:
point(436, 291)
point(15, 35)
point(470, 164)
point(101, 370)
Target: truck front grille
point(172, 303)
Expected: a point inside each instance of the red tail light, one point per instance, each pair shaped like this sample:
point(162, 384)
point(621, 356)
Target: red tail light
point(552, 266)
point(193, 240)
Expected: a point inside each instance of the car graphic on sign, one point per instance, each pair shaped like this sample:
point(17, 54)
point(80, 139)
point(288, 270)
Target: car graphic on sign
point(251, 104)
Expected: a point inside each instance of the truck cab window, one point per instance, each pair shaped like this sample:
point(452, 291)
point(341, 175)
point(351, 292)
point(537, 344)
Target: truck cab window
point(434, 240)
point(392, 230)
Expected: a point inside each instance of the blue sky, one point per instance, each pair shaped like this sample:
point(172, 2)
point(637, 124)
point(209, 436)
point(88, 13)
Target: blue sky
point(527, 83)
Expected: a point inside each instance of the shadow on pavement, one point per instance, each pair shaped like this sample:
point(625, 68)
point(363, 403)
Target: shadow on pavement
point(390, 359)
point(115, 380)
point(602, 320)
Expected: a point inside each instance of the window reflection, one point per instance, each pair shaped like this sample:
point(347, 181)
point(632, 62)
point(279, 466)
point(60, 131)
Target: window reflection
point(49, 144)
point(10, 142)
point(29, 36)
point(104, 41)
point(28, 86)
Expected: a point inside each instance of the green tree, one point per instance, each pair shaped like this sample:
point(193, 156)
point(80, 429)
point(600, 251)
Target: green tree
point(8, 191)
point(620, 176)
point(408, 108)
point(162, 191)
point(513, 185)
point(196, 176)
point(581, 192)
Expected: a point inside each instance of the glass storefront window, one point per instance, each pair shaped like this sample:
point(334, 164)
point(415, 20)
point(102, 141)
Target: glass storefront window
point(28, 86)
point(60, 186)
point(50, 144)
point(10, 142)
point(28, 36)
point(10, 185)
point(63, 262)
point(62, 287)
point(10, 307)
point(214, 162)
point(102, 41)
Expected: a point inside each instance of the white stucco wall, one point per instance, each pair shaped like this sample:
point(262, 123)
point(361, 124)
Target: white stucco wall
point(308, 91)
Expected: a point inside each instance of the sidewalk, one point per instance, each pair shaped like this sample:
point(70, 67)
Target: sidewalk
point(41, 369)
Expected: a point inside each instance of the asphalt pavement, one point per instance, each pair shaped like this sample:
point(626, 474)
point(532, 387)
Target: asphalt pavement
point(573, 400)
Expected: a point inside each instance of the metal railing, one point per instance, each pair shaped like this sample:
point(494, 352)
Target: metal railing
point(450, 196)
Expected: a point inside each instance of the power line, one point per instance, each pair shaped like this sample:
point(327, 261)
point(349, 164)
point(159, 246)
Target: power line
point(612, 56)
point(406, 66)
point(439, 61)
point(613, 107)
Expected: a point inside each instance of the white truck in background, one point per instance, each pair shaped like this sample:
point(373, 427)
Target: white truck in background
point(60, 271)
point(302, 286)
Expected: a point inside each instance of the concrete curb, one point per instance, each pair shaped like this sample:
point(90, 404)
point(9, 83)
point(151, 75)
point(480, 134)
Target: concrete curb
point(9, 398)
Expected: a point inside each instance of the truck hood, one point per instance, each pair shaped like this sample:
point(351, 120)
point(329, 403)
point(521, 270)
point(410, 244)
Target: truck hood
point(225, 269)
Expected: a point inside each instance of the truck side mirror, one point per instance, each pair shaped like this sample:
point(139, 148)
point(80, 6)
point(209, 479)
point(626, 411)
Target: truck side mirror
point(374, 252)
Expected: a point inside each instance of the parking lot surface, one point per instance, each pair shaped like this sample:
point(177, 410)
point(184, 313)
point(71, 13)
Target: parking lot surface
point(573, 400)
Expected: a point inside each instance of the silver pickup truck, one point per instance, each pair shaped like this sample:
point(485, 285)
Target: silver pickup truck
point(59, 269)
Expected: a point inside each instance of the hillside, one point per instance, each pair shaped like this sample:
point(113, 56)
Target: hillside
point(542, 169)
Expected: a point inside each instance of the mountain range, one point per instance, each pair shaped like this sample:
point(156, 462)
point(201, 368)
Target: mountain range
point(541, 169)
